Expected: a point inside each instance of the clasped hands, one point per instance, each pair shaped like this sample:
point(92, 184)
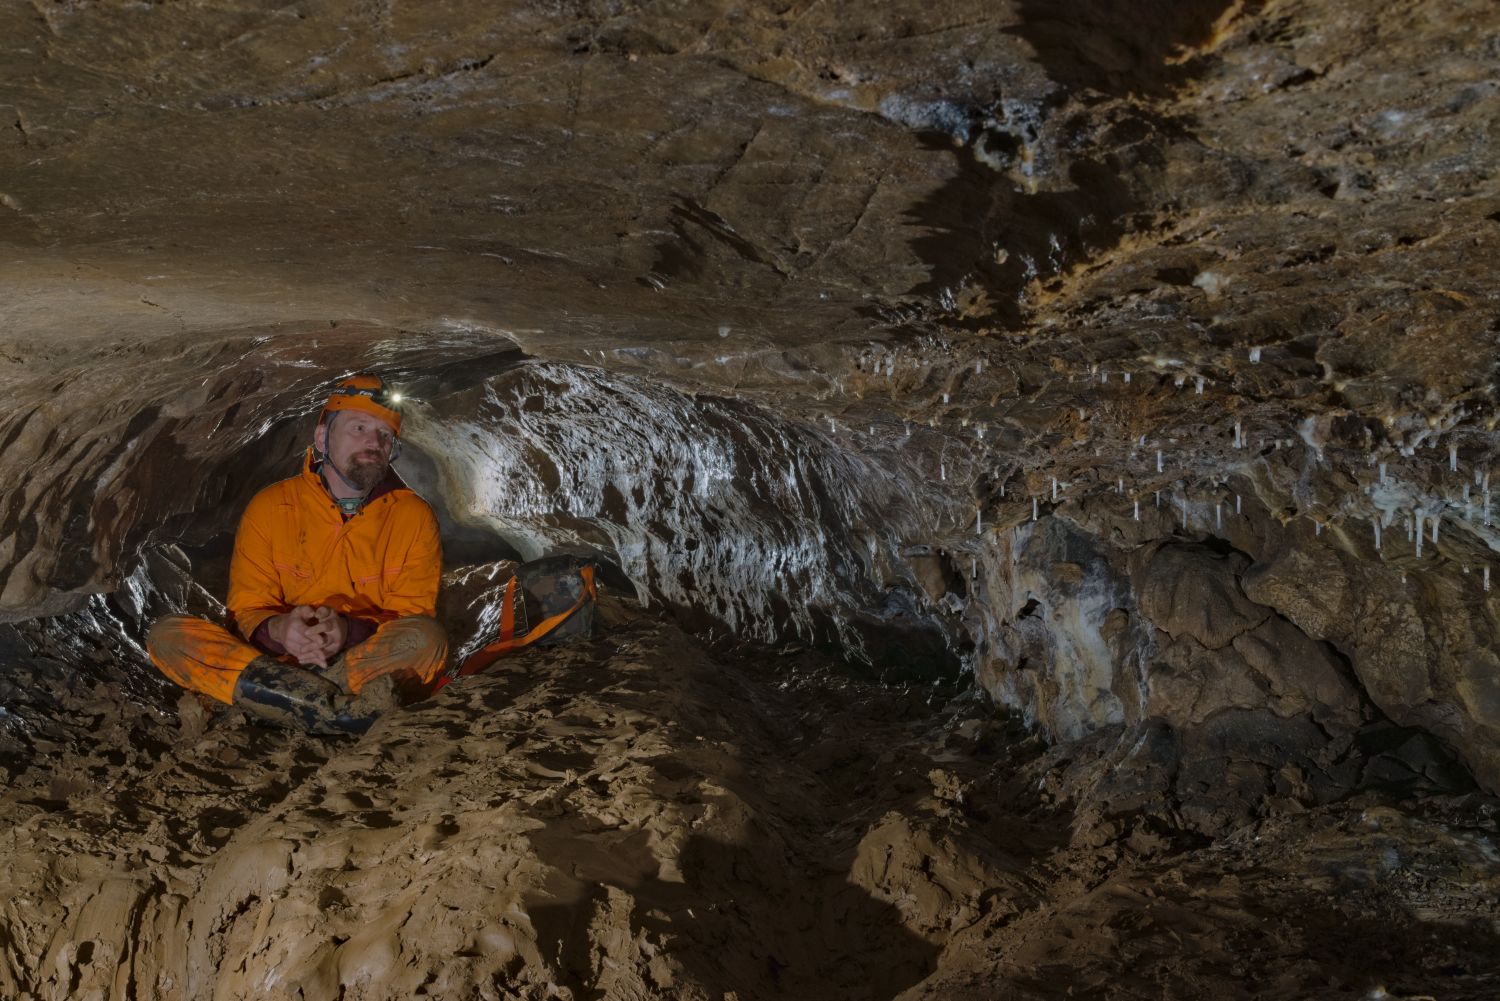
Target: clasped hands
point(312, 635)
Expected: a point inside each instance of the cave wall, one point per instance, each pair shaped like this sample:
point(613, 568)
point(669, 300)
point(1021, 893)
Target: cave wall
point(1298, 640)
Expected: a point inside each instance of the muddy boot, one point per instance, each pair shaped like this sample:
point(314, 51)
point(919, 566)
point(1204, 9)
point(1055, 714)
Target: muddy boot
point(296, 698)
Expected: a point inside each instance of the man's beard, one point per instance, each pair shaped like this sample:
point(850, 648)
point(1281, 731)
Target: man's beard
point(365, 470)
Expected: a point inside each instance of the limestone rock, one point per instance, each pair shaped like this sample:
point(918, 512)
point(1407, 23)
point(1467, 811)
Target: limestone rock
point(1300, 675)
point(1188, 684)
point(1188, 590)
point(1275, 665)
point(1422, 655)
point(1309, 585)
point(1230, 764)
point(1065, 652)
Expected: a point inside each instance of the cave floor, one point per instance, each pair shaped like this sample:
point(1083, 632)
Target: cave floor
point(646, 816)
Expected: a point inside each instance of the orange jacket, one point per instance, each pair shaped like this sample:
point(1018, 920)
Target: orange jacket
point(294, 548)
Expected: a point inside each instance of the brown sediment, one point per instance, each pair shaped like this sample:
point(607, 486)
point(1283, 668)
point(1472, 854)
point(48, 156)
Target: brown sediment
point(645, 817)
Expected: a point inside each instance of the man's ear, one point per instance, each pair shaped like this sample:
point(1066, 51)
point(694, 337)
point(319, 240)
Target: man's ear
point(320, 438)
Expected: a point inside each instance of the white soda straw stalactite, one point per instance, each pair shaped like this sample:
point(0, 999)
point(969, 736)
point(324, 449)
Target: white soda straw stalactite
point(1419, 516)
point(1182, 510)
point(1236, 503)
point(1317, 527)
point(1239, 437)
point(1486, 578)
point(1218, 516)
point(1198, 386)
point(979, 522)
point(1033, 509)
point(1137, 509)
point(1158, 460)
point(1453, 458)
point(1437, 517)
point(1054, 489)
point(1376, 523)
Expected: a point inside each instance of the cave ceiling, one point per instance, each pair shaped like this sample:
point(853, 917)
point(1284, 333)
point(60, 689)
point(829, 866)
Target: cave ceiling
point(1057, 190)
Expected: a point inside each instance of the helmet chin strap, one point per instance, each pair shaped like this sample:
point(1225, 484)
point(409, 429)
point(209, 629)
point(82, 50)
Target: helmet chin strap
point(326, 463)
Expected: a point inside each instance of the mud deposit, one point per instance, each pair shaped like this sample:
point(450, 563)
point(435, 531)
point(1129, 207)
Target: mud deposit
point(645, 816)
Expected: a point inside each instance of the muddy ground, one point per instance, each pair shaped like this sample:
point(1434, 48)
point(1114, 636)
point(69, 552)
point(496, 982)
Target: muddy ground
point(646, 816)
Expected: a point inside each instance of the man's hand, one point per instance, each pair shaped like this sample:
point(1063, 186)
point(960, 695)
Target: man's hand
point(312, 635)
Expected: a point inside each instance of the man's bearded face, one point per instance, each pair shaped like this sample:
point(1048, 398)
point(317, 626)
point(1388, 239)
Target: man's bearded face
point(359, 445)
point(366, 469)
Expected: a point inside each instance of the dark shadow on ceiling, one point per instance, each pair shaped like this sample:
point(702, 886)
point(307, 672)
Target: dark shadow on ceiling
point(989, 237)
point(1142, 49)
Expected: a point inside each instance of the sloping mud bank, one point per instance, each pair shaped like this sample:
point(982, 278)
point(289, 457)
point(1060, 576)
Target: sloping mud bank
point(647, 817)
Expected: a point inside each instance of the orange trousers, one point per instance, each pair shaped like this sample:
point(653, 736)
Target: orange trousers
point(207, 658)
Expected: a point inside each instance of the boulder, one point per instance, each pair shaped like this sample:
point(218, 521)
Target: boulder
point(1189, 590)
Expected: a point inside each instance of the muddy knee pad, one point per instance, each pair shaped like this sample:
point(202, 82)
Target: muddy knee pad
point(424, 641)
point(165, 638)
point(170, 645)
point(198, 654)
point(413, 649)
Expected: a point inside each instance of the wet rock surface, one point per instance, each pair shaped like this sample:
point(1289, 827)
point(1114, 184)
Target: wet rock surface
point(1138, 365)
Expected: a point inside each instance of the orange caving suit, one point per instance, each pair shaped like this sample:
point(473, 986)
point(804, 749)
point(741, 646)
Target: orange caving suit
point(379, 569)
